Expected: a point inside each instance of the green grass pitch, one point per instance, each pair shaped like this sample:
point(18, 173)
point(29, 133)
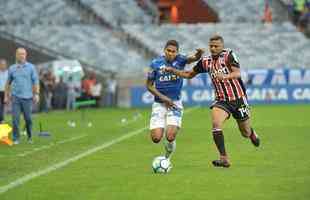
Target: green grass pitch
point(279, 169)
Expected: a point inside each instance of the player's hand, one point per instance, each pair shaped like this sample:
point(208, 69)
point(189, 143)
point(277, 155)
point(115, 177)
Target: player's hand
point(169, 103)
point(36, 98)
point(168, 69)
point(221, 76)
point(199, 52)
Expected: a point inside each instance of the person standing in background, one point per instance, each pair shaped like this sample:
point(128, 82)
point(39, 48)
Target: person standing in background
point(71, 93)
point(87, 83)
point(60, 94)
point(111, 91)
point(22, 88)
point(50, 82)
point(3, 79)
point(96, 92)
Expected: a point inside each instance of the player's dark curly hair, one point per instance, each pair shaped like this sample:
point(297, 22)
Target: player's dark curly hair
point(172, 43)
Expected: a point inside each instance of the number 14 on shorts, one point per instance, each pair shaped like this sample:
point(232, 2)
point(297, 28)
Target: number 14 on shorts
point(244, 110)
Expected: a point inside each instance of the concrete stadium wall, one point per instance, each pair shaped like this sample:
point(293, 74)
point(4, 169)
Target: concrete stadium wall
point(8, 48)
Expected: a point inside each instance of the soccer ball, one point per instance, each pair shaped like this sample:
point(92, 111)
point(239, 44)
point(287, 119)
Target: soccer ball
point(161, 165)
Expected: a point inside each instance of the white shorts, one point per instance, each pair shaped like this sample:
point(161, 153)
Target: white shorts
point(161, 116)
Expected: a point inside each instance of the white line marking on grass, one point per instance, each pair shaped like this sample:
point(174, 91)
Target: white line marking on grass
point(28, 177)
point(59, 165)
point(71, 139)
point(46, 146)
point(50, 145)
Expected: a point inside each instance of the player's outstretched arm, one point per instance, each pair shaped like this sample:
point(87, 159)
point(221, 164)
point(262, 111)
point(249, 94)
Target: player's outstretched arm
point(196, 56)
point(150, 87)
point(234, 68)
point(181, 73)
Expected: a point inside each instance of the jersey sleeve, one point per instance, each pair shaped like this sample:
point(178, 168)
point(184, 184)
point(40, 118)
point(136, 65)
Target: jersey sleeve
point(198, 68)
point(233, 60)
point(183, 60)
point(34, 76)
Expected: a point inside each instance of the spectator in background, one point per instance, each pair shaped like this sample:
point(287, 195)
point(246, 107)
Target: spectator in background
point(3, 79)
point(298, 9)
point(304, 19)
point(267, 18)
point(83, 88)
point(72, 91)
point(60, 94)
point(96, 92)
point(111, 91)
point(174, 14)
point(87, 83)
point(23, 82)
point(43, 93)
point(50, 82)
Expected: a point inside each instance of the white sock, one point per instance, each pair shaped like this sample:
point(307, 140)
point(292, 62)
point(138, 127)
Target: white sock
point(170, 148)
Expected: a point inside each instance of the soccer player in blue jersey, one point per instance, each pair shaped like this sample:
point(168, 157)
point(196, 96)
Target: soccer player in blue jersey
point(167, 109)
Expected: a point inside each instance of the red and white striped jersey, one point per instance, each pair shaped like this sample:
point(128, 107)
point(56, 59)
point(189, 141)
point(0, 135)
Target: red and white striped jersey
point(225, 90)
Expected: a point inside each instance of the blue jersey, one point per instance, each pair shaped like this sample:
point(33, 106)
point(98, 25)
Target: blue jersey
point(167, 83)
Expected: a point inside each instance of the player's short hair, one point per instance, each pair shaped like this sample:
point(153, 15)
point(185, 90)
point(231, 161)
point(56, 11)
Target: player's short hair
point(172, 43)
point(216, 37)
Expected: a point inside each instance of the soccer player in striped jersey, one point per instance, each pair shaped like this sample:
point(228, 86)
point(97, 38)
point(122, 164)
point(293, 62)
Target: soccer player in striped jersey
point(230, 94)
point(167, 109)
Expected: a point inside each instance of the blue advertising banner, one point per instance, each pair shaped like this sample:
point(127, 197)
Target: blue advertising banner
point(264, 86)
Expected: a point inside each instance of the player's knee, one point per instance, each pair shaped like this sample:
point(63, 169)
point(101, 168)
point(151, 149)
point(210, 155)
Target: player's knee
point(156, 135)
point(156, 139)
point(170, 137)
point(216, 125)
